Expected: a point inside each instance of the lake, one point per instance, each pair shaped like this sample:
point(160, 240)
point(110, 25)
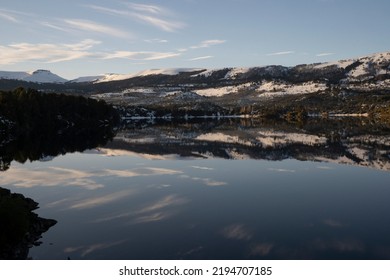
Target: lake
point(222, 189)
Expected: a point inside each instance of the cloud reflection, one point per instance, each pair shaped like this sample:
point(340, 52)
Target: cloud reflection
point(333, 223)
point(56, 176)
point(86, 250)
point(159, 210)
point(237, 231)
point(155, 211)
point(282, 170)
point(50, 177)
point(261, 249)
point(98, 201)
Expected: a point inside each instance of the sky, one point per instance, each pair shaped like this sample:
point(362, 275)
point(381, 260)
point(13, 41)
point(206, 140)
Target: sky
point(76, 38)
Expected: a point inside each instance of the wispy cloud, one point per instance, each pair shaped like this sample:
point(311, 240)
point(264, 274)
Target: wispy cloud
point(156, 41)
point(7, 16)
point(208, 43)
point(55, 26)
point(280, 53)
point(153, 15)
point(52, 53)
point(141, 55)
point(152, 9)
point(13, 16)
point(92, 26)
point(201, 58)
point(166, 25)
point(324, 54)
point(46, 53)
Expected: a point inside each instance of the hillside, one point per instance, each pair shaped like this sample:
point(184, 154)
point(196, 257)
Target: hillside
point(358, 86)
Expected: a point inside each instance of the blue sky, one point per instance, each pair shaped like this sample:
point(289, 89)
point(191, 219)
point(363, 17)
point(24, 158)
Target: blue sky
point(81, 37)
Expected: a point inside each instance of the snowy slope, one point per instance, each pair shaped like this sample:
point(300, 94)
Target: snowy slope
point(13, 75)
point(168, 71)
point(38, 76)
point(87, 79)
point(375, 64)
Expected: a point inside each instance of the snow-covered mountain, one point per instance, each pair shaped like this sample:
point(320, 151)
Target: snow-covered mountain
point(150, 72)
point(355, 69)
point(38, 76)
point(363, 73)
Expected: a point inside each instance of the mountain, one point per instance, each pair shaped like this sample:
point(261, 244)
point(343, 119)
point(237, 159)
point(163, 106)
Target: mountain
point(358, 86)
point(366, 72)
point(39, 76)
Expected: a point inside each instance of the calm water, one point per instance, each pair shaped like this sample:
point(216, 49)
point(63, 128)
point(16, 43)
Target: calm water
point(216, 191)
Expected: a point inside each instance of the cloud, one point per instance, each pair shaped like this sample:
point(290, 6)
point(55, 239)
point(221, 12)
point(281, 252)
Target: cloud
point(324, 54)
point(141, 55)
point(13, 16)
point(208, 43)
point(152, 9)
point(52, 53)
point(280, 53)
point(160, 23)
point(55, 26)
point(148, 14)
point(46, 53)
point(7, 16)
point(92, 26)
point(201, 58)
point(156, 41)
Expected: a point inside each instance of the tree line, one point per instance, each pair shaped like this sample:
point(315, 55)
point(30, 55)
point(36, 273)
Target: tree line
point(34, 125)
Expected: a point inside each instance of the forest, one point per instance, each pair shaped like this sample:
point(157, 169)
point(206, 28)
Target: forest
point(34, 125)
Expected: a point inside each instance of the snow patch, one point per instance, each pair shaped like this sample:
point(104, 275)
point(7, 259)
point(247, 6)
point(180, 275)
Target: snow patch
point(234, 72)
point(220, 91)
point(271, 89)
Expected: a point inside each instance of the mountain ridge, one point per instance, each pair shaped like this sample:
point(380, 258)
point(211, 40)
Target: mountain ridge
point(358, 69)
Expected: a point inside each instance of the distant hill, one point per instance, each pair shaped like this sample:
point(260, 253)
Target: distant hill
point(39, 76)
point(353, 86)
point(368, 72)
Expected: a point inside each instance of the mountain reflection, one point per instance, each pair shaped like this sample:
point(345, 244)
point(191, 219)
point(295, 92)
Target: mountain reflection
point(51, 143)
point(345, 141)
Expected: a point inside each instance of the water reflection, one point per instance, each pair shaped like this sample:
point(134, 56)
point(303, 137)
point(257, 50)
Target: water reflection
point(345, 141)
point(44, 147)
point(218, 190)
